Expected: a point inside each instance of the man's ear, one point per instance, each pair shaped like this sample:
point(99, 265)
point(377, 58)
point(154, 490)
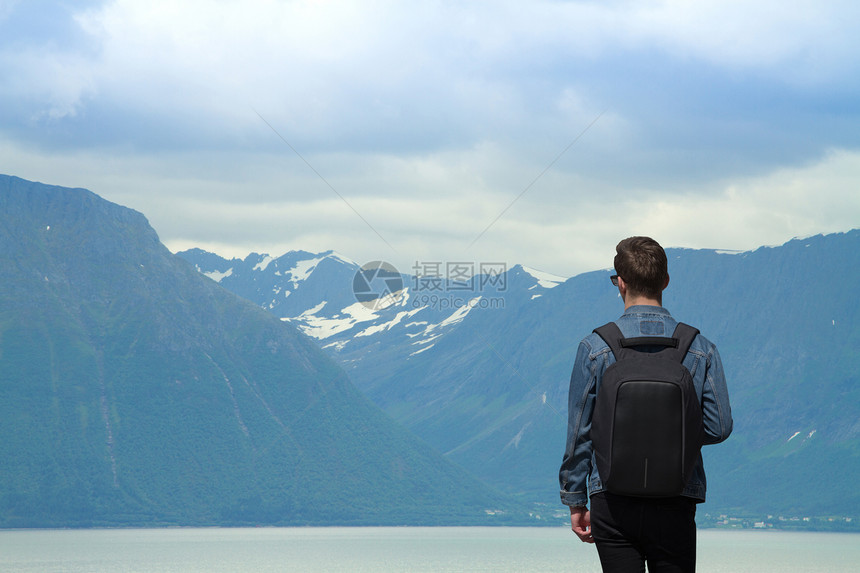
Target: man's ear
point(666, 283)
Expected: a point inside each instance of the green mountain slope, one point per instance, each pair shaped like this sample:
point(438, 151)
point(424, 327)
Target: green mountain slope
point(134, 391)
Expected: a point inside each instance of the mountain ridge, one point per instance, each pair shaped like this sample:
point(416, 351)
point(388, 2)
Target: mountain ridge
point(134, 391)
point(489, 385)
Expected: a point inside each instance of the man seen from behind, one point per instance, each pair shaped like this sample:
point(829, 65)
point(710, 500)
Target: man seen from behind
point(630, 531)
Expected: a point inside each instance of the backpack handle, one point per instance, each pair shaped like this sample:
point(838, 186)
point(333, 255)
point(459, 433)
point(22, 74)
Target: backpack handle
point(649, 340)
point(680, 341)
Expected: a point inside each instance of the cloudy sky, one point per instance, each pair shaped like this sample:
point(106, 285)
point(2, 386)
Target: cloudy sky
point(537, 132)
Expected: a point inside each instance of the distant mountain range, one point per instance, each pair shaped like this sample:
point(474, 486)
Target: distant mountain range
point(134, 391)
point(479, 369)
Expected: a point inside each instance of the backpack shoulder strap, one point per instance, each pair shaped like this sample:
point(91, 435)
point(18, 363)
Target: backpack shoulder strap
point(684, 334)
point(611, 334)
point(677, 345)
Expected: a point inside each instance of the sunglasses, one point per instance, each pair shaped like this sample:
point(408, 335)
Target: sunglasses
point(614, 279)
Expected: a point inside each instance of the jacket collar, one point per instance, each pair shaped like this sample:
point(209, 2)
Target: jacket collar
point(645, 309)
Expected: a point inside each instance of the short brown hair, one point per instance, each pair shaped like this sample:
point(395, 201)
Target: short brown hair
point(641, 262)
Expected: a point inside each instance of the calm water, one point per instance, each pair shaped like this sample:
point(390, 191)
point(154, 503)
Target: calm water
point(407, 549)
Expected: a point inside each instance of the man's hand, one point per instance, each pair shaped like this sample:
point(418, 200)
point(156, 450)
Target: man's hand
point(580, 523)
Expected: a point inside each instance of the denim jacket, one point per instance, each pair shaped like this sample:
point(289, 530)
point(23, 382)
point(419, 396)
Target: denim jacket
point(578, 475)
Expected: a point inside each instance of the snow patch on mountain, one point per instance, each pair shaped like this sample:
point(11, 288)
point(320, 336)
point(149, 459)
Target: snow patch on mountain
point(337, 345)
point(217, 276)
point(387, 325)
point(261, 266)
point(322, 327)
point(338, 257)
point(427, 340)
point(312, 311)
point(457, 316)
point(422, 350)
point(416, 323)
point(515, 441)
point(546, 280)
point(303, 270)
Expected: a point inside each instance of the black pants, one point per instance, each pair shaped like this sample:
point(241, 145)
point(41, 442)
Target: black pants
point(629, 531)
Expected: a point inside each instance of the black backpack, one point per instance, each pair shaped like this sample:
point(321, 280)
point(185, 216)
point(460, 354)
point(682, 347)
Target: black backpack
point(647, 425)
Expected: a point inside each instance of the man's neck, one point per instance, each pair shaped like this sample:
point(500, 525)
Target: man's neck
point(641, 300)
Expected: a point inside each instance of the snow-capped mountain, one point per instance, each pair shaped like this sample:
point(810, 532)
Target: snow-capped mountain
point(425, 351)
point(321, 294)
point(278, 284)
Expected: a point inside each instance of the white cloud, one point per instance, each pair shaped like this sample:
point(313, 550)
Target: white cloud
point(58, 82)
point(767, 210)
point(563, 225)
point(567, 234)
point(430, 119)
point(797, 38)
